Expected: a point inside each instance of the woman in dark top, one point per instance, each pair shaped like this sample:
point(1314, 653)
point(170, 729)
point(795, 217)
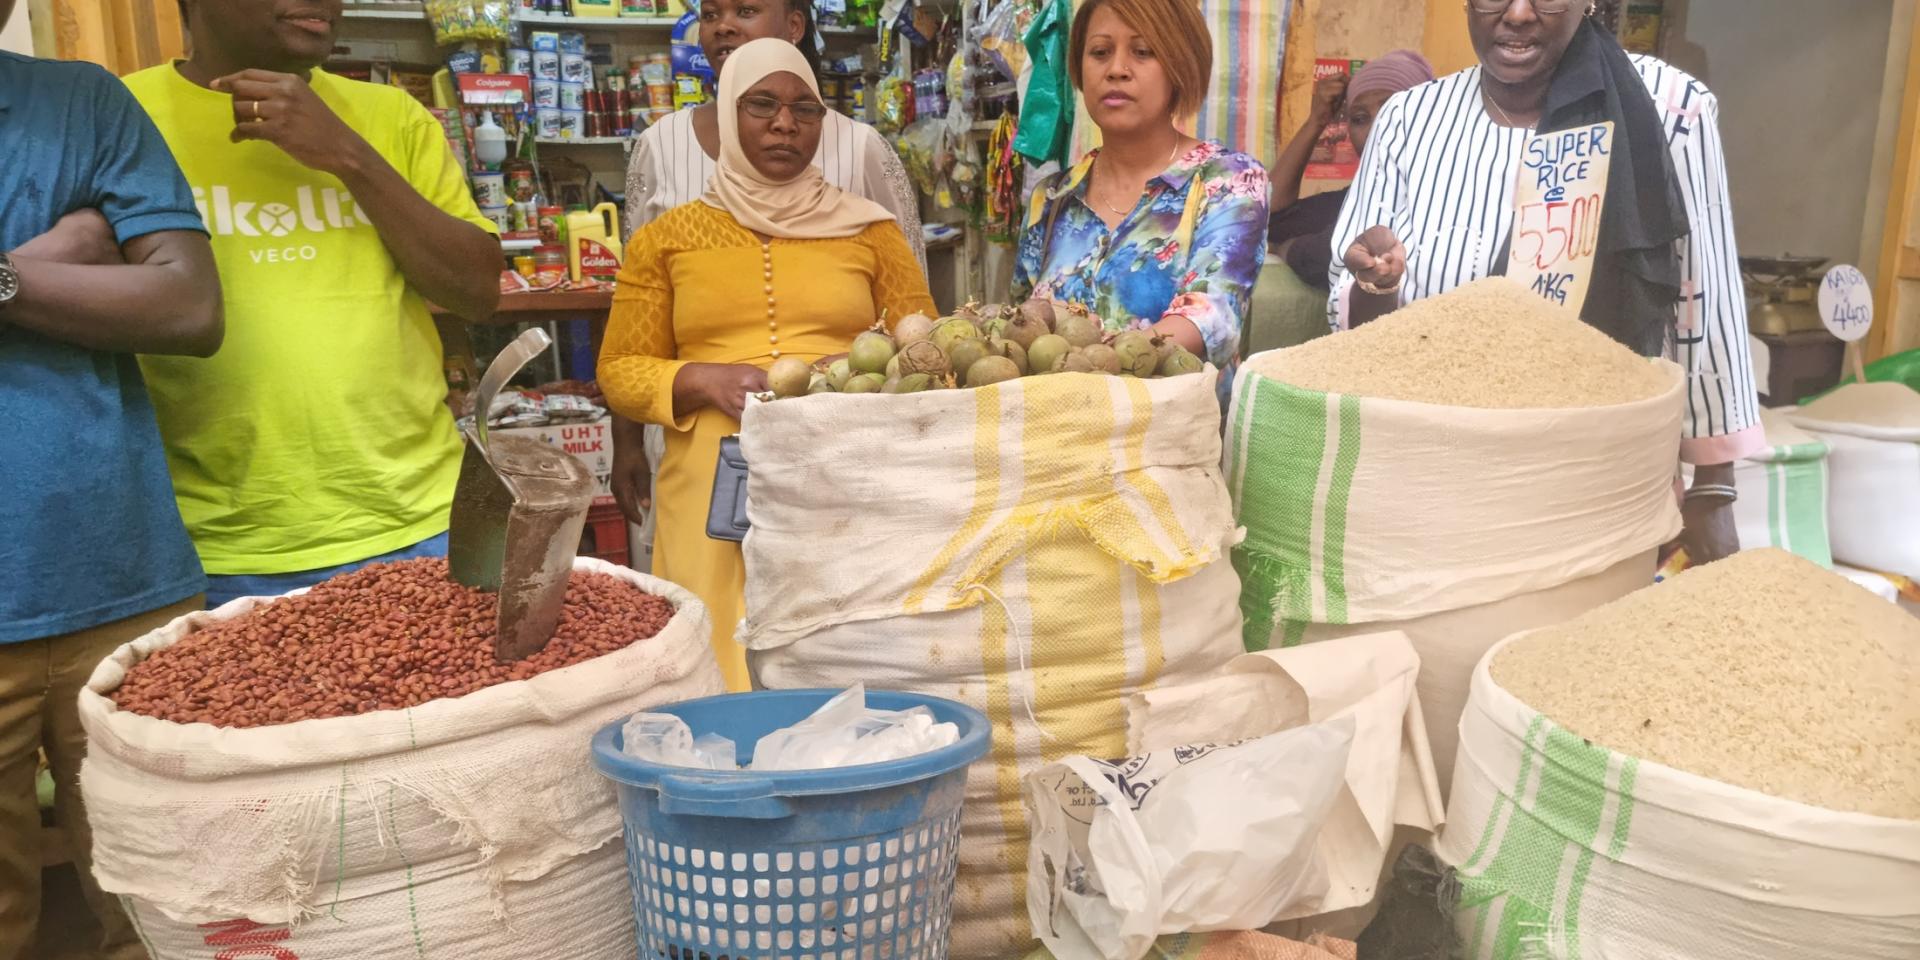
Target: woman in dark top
point(1300, 232)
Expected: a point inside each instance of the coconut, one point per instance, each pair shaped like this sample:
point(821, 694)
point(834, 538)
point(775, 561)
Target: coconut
point(1102, 357)
point(1180, 363)
point(870, 353)
point(1046, 352)
point(789, 377)
point(1078, 327)
point(912, 328)
point(991, 370)
point(839, 372)
point(952, 330)
point(1137, 353)
point(865, 383)
point(965, 353)
point(921, 356)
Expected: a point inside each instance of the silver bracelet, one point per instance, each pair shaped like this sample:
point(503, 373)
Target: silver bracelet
point(1716, 491)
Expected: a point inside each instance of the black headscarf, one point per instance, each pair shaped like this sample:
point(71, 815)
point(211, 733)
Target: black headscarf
point(1636, 278)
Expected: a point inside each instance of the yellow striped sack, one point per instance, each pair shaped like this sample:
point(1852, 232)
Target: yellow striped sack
point(1038, 549)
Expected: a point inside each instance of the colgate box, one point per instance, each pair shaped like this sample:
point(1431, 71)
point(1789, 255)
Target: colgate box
point(590, 441)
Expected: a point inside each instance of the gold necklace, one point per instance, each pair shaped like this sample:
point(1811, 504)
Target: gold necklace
point(1495, 104)
point(1143, 187)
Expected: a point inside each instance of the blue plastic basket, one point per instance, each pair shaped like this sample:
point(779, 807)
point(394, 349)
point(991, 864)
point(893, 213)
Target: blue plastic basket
point(849, 864)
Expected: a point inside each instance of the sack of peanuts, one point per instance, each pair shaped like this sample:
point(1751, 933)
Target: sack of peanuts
point(1037, 549)
point(1422, 474)
point(345, 772)
point(1872, 432)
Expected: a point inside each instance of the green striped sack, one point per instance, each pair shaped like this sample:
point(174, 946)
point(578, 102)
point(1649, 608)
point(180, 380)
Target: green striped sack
point(1570, 851)
point(1783, 493)
point(1362, 510)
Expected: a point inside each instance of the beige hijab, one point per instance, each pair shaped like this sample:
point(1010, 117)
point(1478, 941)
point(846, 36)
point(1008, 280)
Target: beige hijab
point(806, 207)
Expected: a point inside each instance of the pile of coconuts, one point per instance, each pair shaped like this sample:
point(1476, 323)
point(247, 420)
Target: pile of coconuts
point(981, 345)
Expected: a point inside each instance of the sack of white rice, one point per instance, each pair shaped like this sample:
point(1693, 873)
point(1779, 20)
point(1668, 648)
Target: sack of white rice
point(1475, 464)
point(1872, 431)
point(1726, 765)
point(1038, 549)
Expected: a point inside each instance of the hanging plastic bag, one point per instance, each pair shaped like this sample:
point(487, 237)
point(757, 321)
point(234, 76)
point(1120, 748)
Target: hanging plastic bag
point(460, 21)
point(1190, 839)
point(1046, 107)
point(1000, 36)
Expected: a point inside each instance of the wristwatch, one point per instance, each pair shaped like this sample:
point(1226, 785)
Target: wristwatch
point(9, 281)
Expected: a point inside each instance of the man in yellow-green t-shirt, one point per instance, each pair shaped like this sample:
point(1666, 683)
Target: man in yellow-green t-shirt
point(317, 439)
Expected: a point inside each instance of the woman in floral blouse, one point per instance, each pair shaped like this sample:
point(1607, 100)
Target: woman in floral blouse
point(1155, 229)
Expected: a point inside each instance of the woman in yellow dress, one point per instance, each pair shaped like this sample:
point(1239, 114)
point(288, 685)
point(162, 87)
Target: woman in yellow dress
point(685, 343)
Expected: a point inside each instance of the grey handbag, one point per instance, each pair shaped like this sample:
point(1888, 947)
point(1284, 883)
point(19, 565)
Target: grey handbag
point(727, 515)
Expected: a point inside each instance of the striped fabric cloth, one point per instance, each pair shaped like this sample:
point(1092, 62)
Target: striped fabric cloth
point(1242, 106)
point(1249, 44)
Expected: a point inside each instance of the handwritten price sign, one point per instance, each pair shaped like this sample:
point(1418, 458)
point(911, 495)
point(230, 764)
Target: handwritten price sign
point(1557, 206)
point(1846, 303)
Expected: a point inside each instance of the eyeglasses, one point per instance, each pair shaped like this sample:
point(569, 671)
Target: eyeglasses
point(1547, 7)
point(808, 112)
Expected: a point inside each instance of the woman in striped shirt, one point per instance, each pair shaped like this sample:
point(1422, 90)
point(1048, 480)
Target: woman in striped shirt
point(1433, 208)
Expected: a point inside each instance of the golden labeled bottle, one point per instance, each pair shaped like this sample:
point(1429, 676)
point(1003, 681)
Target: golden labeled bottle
point(593, 243)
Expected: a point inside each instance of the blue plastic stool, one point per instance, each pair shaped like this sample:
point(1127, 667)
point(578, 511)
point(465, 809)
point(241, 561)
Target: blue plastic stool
point(849, 864)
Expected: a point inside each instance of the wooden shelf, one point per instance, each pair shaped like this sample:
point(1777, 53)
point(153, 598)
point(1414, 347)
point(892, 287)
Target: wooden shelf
point(384, 11)
point(583, 141)
point(552, 301)
point(414, 11)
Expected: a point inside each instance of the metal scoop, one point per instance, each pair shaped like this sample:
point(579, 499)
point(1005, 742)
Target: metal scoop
point(517, 514)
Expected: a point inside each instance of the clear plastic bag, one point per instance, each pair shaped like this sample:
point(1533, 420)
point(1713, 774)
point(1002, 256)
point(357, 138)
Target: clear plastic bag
point(662, 738)
point(459, 21)
point(847, 733)
point(843, 733)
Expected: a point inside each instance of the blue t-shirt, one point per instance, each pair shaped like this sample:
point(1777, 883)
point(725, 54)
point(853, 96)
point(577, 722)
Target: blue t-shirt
point(89, 532)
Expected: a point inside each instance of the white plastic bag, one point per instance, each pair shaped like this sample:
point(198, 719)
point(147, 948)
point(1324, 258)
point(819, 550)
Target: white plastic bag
point(846, 732)
point(1191, 839)
point(1390, 779)
point(665, 738)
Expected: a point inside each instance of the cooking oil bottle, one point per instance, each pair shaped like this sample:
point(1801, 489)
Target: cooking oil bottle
point(593, 243)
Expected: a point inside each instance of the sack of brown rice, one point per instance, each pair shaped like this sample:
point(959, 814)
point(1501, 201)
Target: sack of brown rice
point(1726, 765)
point(1872, 431)
point(1475, 464)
